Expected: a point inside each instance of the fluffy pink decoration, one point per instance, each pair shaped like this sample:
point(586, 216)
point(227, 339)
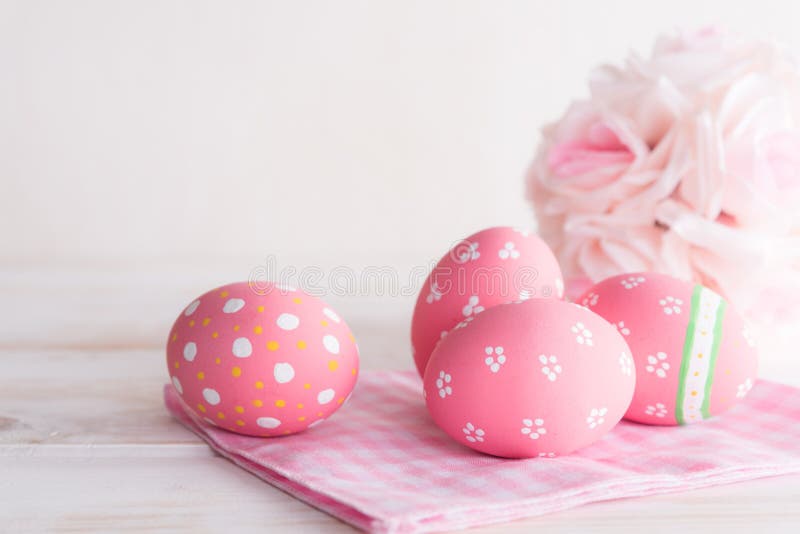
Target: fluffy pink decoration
point(686, 163)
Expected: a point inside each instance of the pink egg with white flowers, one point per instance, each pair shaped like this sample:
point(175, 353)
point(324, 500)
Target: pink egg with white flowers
point(694, 355)
point(539, 378)
point(491, 267)
point(261, 359)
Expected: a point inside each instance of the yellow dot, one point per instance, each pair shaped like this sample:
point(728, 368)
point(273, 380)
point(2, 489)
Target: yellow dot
point(300, 406)
point(191, 323)
point(215, 335)
point(177, 365)
point(238, 409)
point(220, 415)
point(236, 328)
point(257, 403)
point(694, 393)
point(260, 309)
point(333, 365)
point(201, 375)
point(217, 361)
point(297, 300)
point(280, 403)
point(323, 322)
point(174, 337)
point(239, 422)
point(206, 321)
point(236, 371)
point(301, 418)
point(223, 294)
point(201, 408)
point(272, 345)
point(307, 386)
point(301, 344)
point(257, 330)
point(259, 385)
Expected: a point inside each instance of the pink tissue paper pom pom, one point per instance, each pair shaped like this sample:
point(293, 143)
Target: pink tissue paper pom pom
point(686, 163)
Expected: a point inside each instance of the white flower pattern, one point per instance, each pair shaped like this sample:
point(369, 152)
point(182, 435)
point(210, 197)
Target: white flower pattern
point(509, 250)
point(659, 410)
point(533, 428)
point(626, 364)
point(744, 388)
point(596, 417)
point(582, 334)
point(550, 367)
point(494, 358)
point(435, 294)
point(472, 433)
point(473, 306)
point(590, 300)
point(657, 364)
point(443, 384)
point(632, 281)
point(471, 253)
point(671, 305)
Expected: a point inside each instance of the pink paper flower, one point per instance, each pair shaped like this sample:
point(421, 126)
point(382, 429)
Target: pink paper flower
point(688, 163)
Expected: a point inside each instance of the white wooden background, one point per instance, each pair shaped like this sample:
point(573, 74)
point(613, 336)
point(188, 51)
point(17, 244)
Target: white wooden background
point(152, 150)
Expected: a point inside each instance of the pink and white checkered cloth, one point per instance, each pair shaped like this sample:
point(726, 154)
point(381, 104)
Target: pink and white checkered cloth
point(381, 464)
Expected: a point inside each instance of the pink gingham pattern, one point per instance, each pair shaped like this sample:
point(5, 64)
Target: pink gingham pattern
point(383, 466)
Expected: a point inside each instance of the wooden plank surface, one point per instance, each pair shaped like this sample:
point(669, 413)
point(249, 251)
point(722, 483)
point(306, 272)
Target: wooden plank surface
point(85, 445)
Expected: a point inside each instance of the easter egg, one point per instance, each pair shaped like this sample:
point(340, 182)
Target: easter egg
point(491, 267)
point(694, 356)
point(261, 359)
point(538, 378)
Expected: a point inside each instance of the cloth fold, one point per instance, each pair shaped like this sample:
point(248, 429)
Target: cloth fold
point(382, 465)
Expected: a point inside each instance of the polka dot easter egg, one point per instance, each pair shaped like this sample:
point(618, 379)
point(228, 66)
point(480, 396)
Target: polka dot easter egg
point(261, 361)
point(491, 267)
point(694, 356)
point(539, 378)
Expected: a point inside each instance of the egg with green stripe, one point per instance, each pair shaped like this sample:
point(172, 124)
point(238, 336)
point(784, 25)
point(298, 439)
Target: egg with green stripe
point(694, 356)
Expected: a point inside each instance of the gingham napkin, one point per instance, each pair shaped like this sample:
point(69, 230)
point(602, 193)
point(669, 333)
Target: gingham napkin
point(381, 464)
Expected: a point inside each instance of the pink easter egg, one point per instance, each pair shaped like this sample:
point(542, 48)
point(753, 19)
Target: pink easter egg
point(694, 356)
point(491, 267)
point(537, 378)
point(260, 359)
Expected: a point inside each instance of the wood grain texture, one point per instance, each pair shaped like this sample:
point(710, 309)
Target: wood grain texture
point(86, 445)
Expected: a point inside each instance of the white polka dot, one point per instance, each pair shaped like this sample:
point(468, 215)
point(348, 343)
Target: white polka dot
point(242, 348)
point(268, 422)
point(330, 314)
point(283, 373)
point(287, 321)
point(190, 309)
point(331, 344)
point(211, 396)
point(233, 305)
point(189, 351)
point(177, 384)
point(325, 396)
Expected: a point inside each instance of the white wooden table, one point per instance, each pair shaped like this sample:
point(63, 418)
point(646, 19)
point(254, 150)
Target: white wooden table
point(86, 445)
